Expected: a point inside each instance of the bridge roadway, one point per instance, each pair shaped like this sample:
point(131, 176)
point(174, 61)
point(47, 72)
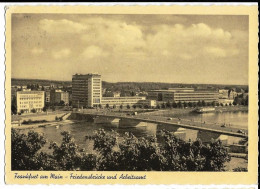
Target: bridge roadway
point(184, 123)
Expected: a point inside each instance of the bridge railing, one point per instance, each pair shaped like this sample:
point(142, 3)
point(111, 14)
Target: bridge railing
point(177, 121)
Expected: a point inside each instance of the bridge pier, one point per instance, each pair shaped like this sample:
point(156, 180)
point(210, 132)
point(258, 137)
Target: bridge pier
point(186, 134)
point(131, 123)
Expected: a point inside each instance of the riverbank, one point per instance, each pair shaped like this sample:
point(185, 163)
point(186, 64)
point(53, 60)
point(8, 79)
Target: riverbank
point(176, 112)
point(47, 124)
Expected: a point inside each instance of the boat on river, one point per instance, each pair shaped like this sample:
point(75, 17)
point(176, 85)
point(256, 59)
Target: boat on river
point(204, 110)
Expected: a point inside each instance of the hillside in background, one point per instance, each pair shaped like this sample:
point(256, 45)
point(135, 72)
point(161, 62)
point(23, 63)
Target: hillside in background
point(130, 86)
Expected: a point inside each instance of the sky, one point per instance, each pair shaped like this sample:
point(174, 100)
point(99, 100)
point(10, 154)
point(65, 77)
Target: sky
point(204, 49)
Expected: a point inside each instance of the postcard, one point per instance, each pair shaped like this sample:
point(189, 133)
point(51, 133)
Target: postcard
point(131, 94)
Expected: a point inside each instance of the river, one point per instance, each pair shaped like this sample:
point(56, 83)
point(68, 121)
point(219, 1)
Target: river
point(80, 130)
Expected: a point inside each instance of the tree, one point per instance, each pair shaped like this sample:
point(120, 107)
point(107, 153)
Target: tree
point(67, 155)
point(190, 104)
point(185, 104)
point(44, 109)
point(163, 105)
point(179, 104)
point(203, 103)
point(132, 93)
point(140, 106)
point(107, 106)
point(168, 105)
point(134, 106)
point(100, 106)
point(14, 105)
point(199, 104)
point(121, 106)
point(158, 106)
point(128, 106)
point(33, 110)
point(114, 106)
point(62, 103)
point(174, 104)
point(113, 154)
point(146, 106)
point(24, 150)
point(240, 169)
point(246, 101)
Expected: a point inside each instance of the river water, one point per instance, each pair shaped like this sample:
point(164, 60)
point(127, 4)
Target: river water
point(80, 130)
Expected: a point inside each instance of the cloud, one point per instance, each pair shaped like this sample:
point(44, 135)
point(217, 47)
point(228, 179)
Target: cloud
point(216, 52)
point(93, 52)
point(37, 51)
point(118, 36)
point(188, 42)
point(61, 26)
point(122, 39)
point(63, 53)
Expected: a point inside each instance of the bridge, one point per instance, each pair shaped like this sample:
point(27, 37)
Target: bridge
point(184, 123)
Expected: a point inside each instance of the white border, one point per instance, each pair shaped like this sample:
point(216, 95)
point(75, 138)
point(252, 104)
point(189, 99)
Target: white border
point(2, 105)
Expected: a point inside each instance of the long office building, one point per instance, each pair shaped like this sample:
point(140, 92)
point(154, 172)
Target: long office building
point(86, 90)
point(182, 95)
point(124, 101)
point(28, 100)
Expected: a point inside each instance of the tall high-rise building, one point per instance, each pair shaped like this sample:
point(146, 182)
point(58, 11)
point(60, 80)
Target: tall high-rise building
point(86, 90)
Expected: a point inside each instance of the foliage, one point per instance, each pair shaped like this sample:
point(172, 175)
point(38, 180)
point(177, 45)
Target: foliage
point(14, 105)
point(62, 103)
point(33, 121)
point(44, 109)
point(114, 153)
point(25, 149)
point(67, 156)
point(33, 111)
point(240, 169)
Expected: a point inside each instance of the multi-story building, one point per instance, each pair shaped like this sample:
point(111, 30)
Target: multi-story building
point(185, 95)
point(223, 93)
point(86, 90)
point(232, 94)
point(47, 96)
point(27, 101)
point(57, 96)
point(124, 101)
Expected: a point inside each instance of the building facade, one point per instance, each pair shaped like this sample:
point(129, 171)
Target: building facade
point(27, 101)
point(86, 90)
point(223, 93)
point(124, 101)
point(47, 96)
point(185, 95)
point(57, 96)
